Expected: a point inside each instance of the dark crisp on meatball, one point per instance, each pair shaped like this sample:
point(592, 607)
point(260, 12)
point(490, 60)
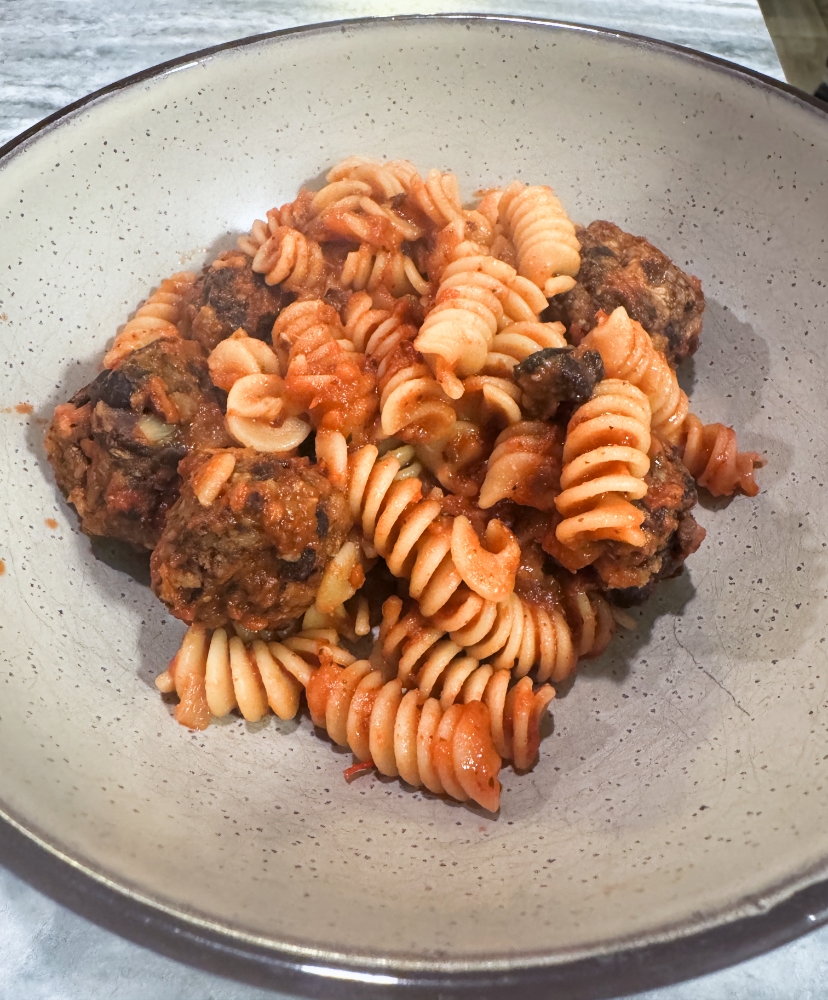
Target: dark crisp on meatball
point(233, 296)
point(557, 375)
point(115, 447)
point(618, 269)
point(256, 554)
point(671, 530)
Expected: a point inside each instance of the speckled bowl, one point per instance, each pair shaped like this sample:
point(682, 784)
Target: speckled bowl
point(677, 818)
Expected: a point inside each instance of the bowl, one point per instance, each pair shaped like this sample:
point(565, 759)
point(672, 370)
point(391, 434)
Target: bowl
point(676, 820)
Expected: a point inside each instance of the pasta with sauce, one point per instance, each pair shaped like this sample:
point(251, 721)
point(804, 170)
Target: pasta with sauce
point(390, 466)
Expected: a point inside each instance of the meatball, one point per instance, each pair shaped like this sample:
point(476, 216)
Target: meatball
point(671, 530)
point(557, 375)
point(233, 296)
point(115, 447)
point(618, 269)
point(256, 554)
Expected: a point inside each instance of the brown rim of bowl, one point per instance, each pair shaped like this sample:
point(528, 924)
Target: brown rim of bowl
point(629, 968)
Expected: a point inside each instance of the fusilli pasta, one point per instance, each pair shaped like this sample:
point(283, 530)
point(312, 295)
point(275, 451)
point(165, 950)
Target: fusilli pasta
point(478, 296)
point(628, 353)
point(438, 667)
point(605, 461)
point(449, 752)
point(544, 237)
point(164, 315)
point(213, 673)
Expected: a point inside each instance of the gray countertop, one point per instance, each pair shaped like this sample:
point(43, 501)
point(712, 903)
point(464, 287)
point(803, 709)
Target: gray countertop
point(55, 51)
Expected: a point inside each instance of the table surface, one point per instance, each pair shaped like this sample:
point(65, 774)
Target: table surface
point(55, 51)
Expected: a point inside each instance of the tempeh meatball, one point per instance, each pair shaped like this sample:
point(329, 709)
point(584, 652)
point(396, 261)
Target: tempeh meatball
point(256, 554)
point(618, 269)
point(115, 447)
point(233, 296)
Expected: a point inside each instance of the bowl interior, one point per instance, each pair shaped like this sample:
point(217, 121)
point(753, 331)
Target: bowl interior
point(684, 781)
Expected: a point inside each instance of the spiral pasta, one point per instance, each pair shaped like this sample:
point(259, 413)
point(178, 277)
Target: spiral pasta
point(376, 332)
point(256, 415)
point(441, 557)
point(285, 256)
point(324, 376)
point(524, 466)
point(413, 404)
point(628, 353)
point(164, 315)
point(369, 268)
point(439, 667)
point(478, 295)
point(347, 208)
point(605, 460)
point(543, 235)
point(449, 752)
point(240, 355)
point(214, 672)
point(712, 458)
point(709, 451)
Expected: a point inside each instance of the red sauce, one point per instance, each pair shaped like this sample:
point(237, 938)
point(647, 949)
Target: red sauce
point(50, 522)
point(24, 408)
point(2, 567)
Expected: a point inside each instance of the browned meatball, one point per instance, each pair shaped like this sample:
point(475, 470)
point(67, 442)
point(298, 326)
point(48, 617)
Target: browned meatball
point(257, 553)
point(557, 375)
point(233, 296)
point(672, 533)
point(116, 445)
point(618, 269)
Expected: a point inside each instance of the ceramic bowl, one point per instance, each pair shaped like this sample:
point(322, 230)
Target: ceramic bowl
point(677, 818)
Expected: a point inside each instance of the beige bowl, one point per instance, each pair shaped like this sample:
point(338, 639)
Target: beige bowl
point(677, 818)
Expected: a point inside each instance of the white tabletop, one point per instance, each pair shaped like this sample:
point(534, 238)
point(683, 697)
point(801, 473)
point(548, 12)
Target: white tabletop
point(55, 51)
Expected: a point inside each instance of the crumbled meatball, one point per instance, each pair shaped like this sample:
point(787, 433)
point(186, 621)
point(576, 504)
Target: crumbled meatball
point(557, 375)
point(618, 269)
point(672, 533)
point(257, 553)
point(233, 296)
point(116, 445)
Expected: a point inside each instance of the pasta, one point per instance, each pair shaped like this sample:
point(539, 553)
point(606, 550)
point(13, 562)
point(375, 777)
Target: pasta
point(524, 466)
point(163, 316)
point(478, 295)
point(396, 464)
point(710, 451)
point(213, 673)
point(439, 556)
point(285, 256)
point(449, 752)
point(712, 458)
point(544, 238)
point(605, 461)
point(628, 353)
point(434, 664)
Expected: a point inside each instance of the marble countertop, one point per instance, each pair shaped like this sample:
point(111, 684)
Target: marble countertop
point(55, 51)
